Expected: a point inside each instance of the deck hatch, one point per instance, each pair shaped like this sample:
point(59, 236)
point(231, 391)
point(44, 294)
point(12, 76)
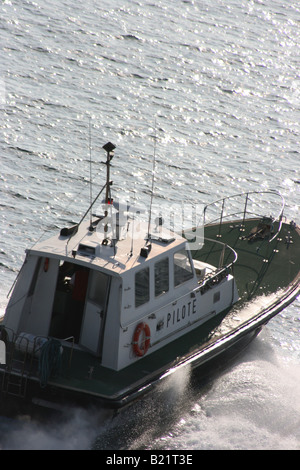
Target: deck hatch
point(86, 250)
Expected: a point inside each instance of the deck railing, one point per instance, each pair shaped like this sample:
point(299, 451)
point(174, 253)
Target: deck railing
point(246, 199)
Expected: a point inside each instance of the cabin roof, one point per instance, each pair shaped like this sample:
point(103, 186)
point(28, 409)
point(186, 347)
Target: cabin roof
point(117, 257)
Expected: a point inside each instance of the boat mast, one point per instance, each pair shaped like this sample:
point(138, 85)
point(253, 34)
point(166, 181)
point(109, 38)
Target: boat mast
point(109, 148)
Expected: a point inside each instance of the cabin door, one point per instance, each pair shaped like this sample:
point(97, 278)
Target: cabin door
point(95, 312)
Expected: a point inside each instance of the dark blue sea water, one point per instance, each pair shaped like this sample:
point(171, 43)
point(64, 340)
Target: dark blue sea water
point(218, 83)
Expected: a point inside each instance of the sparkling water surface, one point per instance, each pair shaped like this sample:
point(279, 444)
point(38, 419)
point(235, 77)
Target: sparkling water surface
point(218, 84)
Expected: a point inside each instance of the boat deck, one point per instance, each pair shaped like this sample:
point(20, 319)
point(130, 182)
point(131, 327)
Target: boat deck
point(268, 254)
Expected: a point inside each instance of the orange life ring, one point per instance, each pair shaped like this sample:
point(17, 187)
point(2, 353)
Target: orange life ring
point(140, 348)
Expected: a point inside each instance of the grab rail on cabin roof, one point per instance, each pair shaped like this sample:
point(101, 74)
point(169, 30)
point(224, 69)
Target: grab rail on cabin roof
point(247, 199)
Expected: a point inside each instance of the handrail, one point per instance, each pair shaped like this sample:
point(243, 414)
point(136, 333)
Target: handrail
point(224, 246)
point(245, 209)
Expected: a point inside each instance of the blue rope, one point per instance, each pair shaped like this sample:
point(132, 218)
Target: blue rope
point(49, 360)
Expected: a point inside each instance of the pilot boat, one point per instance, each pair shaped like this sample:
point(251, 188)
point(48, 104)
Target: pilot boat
point(107, 308)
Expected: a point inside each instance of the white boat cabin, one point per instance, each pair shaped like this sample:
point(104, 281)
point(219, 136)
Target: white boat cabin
point(117, 300)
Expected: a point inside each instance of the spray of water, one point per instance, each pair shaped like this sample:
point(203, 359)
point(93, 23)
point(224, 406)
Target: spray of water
point(255, 405)
point(74, 433)
point(146, 419)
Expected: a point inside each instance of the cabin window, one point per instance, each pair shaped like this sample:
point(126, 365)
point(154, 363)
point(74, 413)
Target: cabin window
point(161, 276)
point(182, 267)
point(142, 287)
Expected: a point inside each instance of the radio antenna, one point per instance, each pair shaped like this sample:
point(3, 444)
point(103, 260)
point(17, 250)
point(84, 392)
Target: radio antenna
point(153, 175)
point(91, 189)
